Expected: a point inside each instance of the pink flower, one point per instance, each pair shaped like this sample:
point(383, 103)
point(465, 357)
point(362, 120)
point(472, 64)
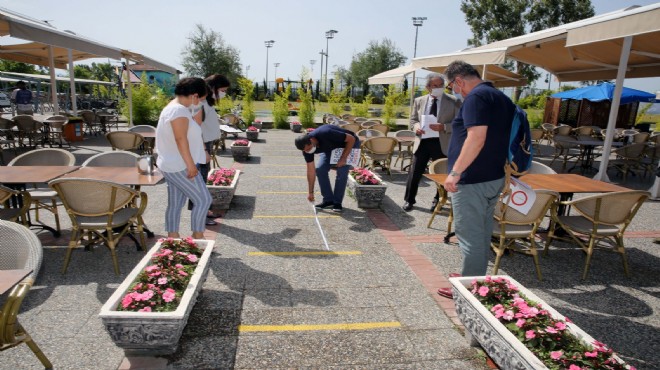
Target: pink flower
point(192, 258)
point(550, 330)
point(151, 268)
point(169, 295)
point(147, 295)
point(560, 325)
point(146, 309)
point(530, 334)
point(556, 355)
point(574, 367)
point(183, 273)
point(162, 281)
point(591, 354)
point(508, 315)
point(127, 300)
point(483, 291)
point(520, 323)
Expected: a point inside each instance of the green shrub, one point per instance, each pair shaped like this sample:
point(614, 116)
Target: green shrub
point(307, 111)
point(148, 101)
point(361, 109)
point(224, 105)
point(281, 108)
point(336, 100)
point(392, 100)
point(247, 89)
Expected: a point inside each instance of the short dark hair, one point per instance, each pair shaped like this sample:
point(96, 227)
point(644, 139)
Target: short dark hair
point(215, 82)
point(191, 85)
point(460, 68)
point(303, 140)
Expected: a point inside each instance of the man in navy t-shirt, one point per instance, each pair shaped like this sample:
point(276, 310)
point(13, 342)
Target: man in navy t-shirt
point(323, 141)
point(477, 155)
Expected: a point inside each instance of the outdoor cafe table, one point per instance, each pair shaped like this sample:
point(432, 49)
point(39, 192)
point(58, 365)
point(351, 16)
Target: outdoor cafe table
point(588, 145)
point(9, 278)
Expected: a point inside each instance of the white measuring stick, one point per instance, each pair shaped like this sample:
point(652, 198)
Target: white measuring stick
point(316, 217)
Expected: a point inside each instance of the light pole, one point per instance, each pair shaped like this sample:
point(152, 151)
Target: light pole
point(269, 44)
point(311, 63)
point(247, 69)
point(417, 22)
point(276, 65)
point(328, 35)
point(322, 55)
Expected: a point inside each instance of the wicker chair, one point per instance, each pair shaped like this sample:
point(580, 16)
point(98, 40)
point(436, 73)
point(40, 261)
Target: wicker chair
point(548, 131)
point(360, 119)
point(378, 151)
point(125, 140)
point(405, 148)
point(602, 218)
point(119, 158)
point(7, 136)
point(14, 214)
point(440, 166)
point(513, 225)
point(353, 127)
point(385, 129)
point(565, 148)
point(19, 249)
point(56, 130)
point(91, 122)
point(42, 196)
point(537, 136)
point(368, 133)
point(641, 137)
point(149, 142)
point(367, 124)
point(540, 168)
point(103, 210)
point(628, 158)
point(28, 129)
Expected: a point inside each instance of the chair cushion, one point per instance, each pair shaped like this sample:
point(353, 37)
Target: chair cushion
point(120, 218)
point(513, 231)
point(583, 226)
point(40, 194)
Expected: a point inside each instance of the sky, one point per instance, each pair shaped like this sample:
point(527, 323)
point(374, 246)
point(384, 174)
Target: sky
point(160, 29)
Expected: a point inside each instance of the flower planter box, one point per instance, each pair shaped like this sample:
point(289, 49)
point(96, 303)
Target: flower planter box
point(367, 196)
point(484, 329)
point(252, 135)
point(153, 333)
point(296, 128)
point(222, 195)
point(256, 124)
point(240, 153)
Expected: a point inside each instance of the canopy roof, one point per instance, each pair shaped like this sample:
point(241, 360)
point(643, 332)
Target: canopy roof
point(605, 91)
point(393, 76)
point(46, 78)
point(37, 53)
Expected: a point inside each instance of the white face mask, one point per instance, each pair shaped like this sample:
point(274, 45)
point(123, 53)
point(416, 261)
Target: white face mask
point(220, 94)
point(437, 91)
point(195, 108)
point(311, 151)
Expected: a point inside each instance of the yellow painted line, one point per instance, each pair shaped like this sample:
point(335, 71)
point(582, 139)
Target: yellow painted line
point(347, 326)
point(284, 192)
point(283, 177)
point(301, 253)
point(285, 216)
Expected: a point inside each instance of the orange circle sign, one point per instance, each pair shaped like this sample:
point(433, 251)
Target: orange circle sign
point(519, 198)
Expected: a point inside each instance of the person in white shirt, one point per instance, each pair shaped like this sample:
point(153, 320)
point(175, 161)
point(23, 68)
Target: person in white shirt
point(180, 148)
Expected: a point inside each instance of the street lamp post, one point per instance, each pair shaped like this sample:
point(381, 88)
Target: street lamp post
point(417, 22)
point(247, 69)
point(311, 63)
point(276, 65)
point(269, 44)
point(321, 78)
point(328, 35)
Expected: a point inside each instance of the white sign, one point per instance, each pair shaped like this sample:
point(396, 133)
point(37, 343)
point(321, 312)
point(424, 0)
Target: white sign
point(229, 129)
point(522, 196)
point(427, 121)
point(352, 160)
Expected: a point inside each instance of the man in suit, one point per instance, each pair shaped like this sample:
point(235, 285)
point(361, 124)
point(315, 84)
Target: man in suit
point(427, 142)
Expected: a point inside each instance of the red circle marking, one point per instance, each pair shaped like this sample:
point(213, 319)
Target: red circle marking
point(516, 193)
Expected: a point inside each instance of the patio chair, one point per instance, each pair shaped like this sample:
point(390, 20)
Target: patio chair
point(56, 130)
point(537, 136)
point(19, 249)
point(540, 168)
point(353, 127)
point(641, 137)
point(650, 160)
point(149, 142)
point(28, 129)
point(584, 131)
point(42, 196)
point(628, 158)
point(102, 210)
point(440, 166)
point(548, 131)
point(126, 140)
point(7, 136)
point(378, 151)
point(91, 122)
point(565, 148)
point(380, 127)
point(119, 158)
point(563, 130)
point(368, 133)
point(405, 149)
point(360, 119)
point(14, 214)
point(602, 218)
point(513, 226)
point(367, 124)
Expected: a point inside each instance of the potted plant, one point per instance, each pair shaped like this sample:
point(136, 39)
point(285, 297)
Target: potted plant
point(252, 133)
point(257, 124)
point(221, 183)
point(308, 130)
point(518, 330)
point(147, 313)
point(367, 188)
point(240, 149)
point(296, 126)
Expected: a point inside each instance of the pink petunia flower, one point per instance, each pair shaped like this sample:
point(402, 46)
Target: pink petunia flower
point(574, 367)
point(550, 330)
point(591, 354)
point(169, 295)
point(556, 355)
point(483, 291)
point(183, 273)
point(192, 258)
point(162, 281)
point(127, 300)
point(146, 309)
point(530, 334)
point(520, 323)
point(560, 325)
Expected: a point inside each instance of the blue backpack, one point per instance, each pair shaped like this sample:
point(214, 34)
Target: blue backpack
point(520, 143)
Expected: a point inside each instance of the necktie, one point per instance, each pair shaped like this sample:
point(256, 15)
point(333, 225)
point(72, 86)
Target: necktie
point(434, 107)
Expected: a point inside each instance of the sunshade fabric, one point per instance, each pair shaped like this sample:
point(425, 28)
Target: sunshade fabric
point(605, 91)
point(37, 53)
point(500, 77)
point(490, 56)
point(393, 76)
point(46, 78)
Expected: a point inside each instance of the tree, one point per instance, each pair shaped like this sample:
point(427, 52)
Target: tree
point(208, 53)
point(494, 20)
point(18, 67)
point(376, 58)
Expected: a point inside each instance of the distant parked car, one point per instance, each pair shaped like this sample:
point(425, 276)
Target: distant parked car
point(4, 101)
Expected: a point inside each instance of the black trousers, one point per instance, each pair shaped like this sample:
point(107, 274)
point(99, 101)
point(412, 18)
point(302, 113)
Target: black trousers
point(429, 149)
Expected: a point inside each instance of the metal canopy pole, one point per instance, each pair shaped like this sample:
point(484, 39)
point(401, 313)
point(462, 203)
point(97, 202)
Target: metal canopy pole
point(129, 93)
point(72, 83)
point(53, 81)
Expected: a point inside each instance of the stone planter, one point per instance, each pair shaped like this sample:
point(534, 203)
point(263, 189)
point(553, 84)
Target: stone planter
point(296, 128)
point(367, 196)
point(153, 333)
point(252, 135)
point(222, 195)
point(240, 153)
point(484, 329)
point(258, 125)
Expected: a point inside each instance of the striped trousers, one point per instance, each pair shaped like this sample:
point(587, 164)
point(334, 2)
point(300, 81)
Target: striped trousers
point(180, 188)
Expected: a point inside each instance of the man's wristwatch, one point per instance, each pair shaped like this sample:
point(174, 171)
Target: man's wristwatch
point(454, 173)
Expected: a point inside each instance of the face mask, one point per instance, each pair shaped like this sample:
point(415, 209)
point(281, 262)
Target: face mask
point(220, 94)
point(195, 108)
point(311, 151)
point(457, 94)
point(437, 91)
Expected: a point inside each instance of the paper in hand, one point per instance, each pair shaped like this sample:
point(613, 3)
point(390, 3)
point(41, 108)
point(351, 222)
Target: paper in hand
point(427, 121)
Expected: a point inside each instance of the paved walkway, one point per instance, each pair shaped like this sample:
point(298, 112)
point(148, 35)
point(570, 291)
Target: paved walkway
point(382, 289)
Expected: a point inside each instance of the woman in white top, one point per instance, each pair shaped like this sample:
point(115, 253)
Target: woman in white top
point(218, 85)
point(180, 148)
